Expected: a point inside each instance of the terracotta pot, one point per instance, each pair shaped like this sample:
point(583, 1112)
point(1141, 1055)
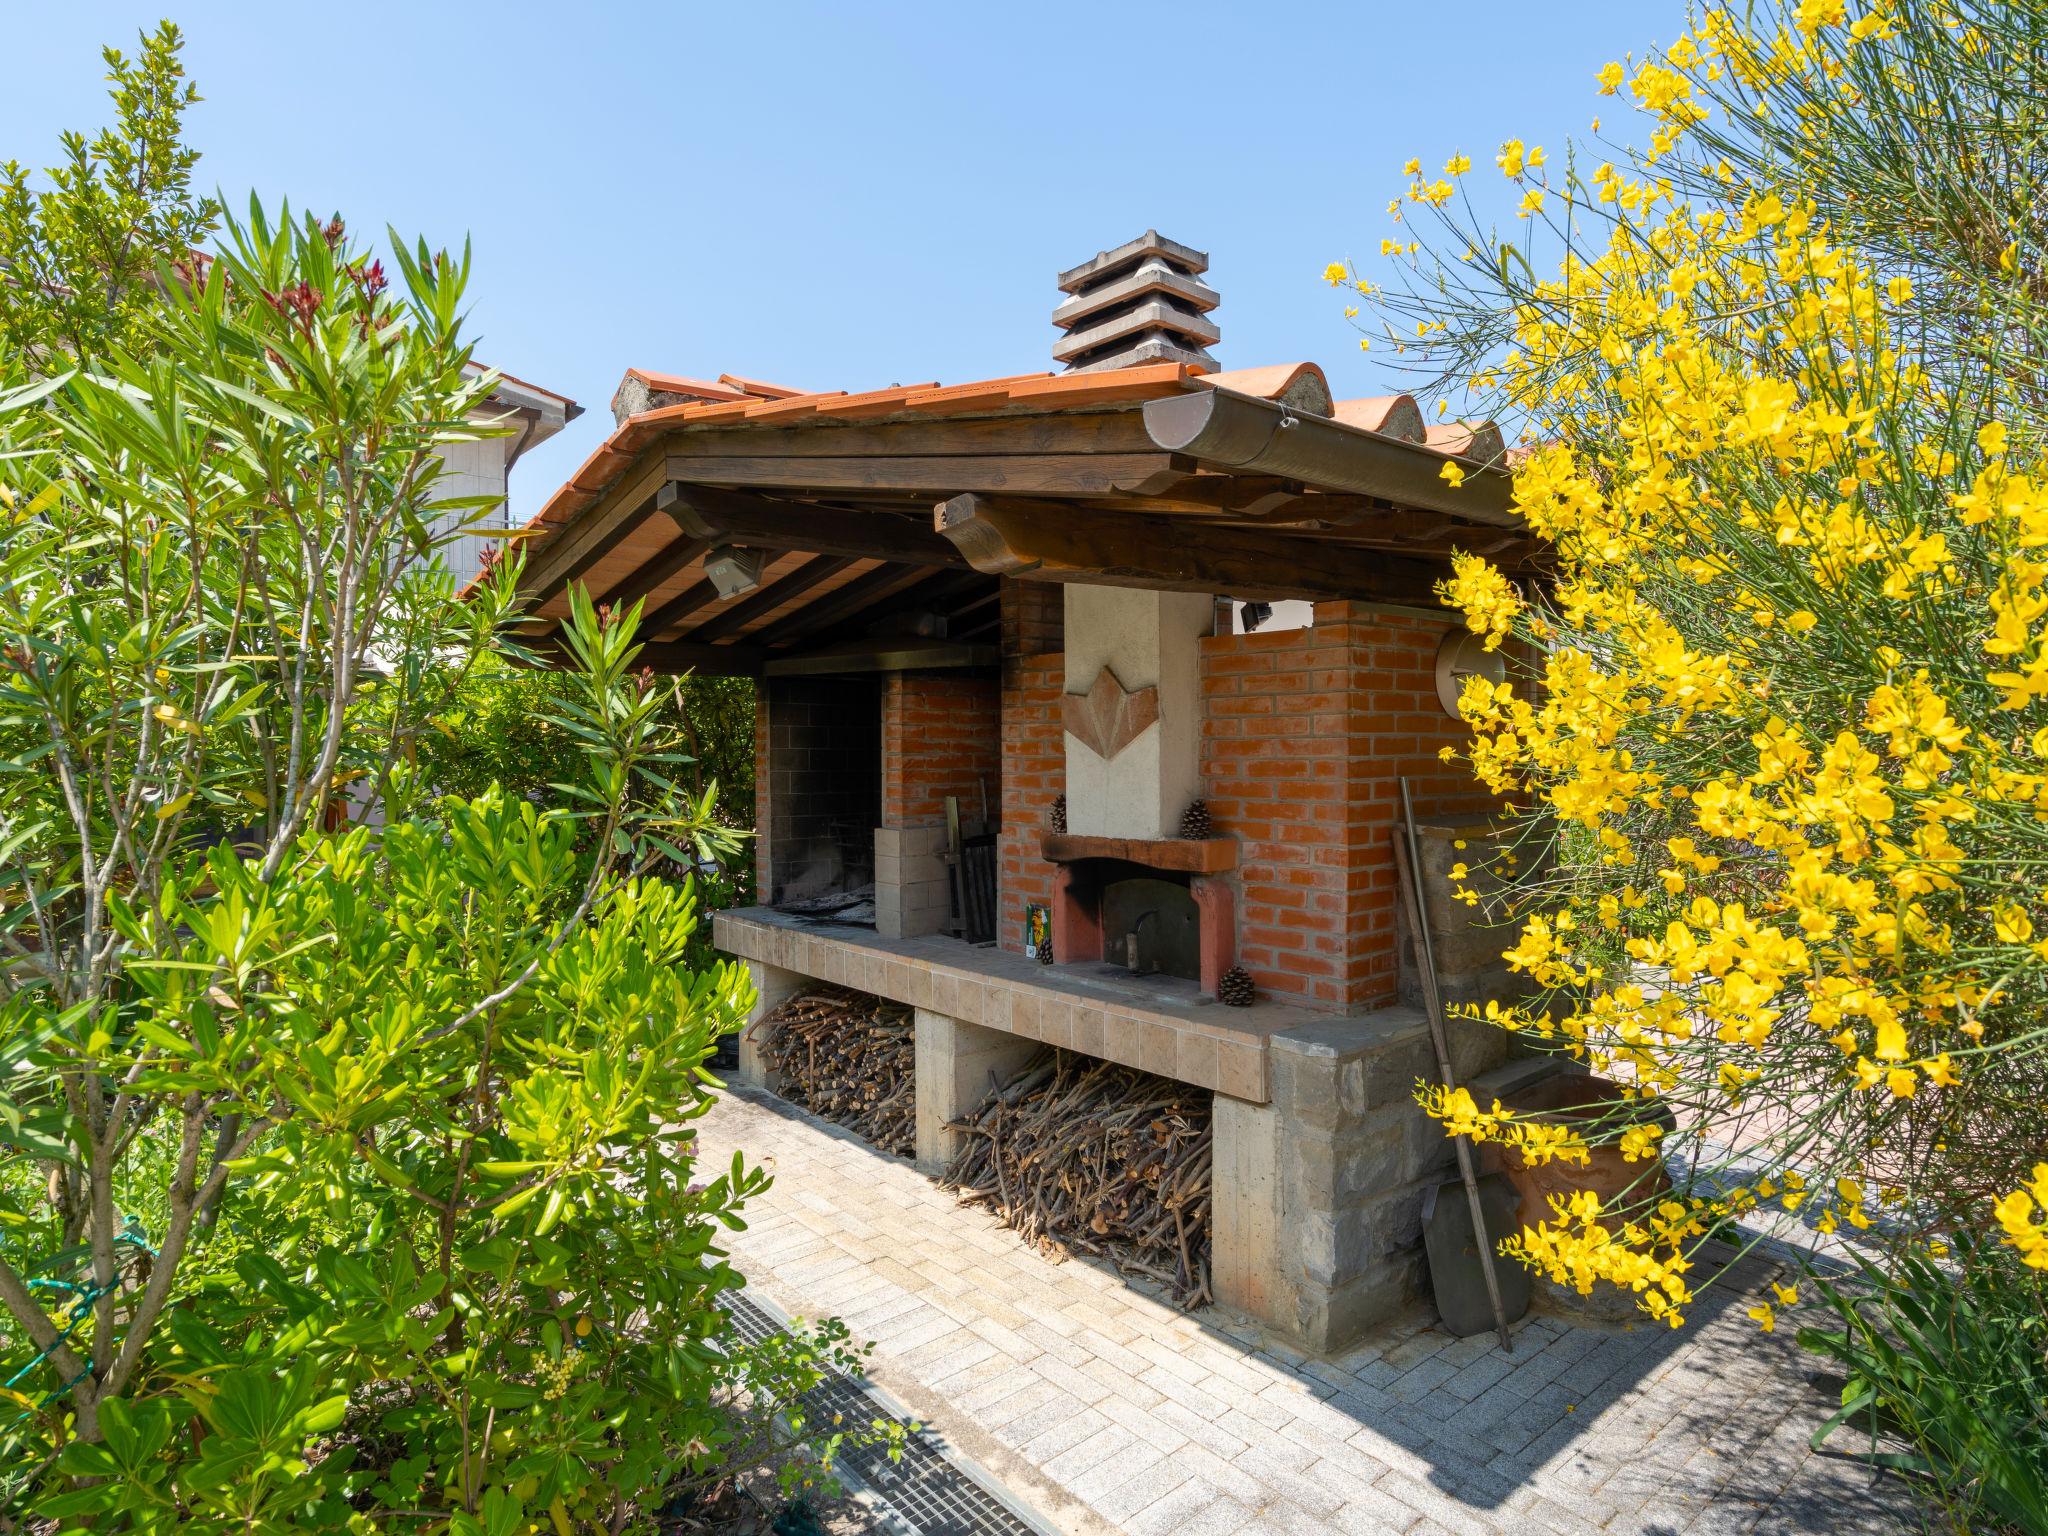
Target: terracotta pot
point(1574, 1099)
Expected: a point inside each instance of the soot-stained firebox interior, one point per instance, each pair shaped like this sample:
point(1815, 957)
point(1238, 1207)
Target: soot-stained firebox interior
point(825, 773)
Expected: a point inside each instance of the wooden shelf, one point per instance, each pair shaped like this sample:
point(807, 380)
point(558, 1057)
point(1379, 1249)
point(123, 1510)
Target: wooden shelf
point(1185, 855)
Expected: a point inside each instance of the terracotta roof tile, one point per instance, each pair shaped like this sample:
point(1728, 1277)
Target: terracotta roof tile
point(678, 384)
point(1392, 415)
point(1299, 384)
point(1467, 439)
point(757, 389)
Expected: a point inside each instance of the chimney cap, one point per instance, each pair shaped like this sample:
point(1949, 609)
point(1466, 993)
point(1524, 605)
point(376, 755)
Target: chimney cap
point(1184, 258)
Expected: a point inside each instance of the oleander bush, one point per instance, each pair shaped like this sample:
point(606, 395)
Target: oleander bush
point(347, 1179)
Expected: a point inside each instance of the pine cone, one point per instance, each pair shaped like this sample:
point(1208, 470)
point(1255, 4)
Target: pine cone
point(1235, 989)
point(1058, 819)
point(1194, 821)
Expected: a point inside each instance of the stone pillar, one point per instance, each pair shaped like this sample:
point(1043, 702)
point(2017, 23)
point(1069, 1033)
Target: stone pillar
point(773, 986)
point(1317, 1203)
point(957, 1063)
point(1148, 640)
point(1245, 1256)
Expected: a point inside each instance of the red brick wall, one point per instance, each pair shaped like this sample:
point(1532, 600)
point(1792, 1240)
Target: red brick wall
point(1305, 736)
point(1034, 746)
point(941, 736)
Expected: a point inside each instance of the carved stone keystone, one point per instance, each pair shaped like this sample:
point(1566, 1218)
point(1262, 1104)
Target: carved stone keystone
point(1108, 718)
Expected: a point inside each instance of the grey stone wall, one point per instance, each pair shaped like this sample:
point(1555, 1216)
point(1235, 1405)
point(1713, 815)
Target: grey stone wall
point(1355, 1155)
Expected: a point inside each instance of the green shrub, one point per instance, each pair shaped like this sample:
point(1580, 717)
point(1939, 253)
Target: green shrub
point(1951, 1356)
point(345, 1165)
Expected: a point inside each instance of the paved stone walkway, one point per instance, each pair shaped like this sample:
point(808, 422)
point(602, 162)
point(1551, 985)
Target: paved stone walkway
point(1106, 1410)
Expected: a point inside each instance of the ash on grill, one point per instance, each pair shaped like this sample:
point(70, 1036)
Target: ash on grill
point(849, 1057)
point(1086, 1156)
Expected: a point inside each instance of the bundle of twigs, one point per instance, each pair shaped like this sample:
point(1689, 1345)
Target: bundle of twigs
point(849, 1057)
point(1086, 1156)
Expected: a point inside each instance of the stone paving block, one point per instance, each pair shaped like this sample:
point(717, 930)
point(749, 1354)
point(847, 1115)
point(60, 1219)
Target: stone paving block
point(1285, 1476)
point(1203, 1432)
point(1031, 1399)
point(1163, 1422)
point(1420, 1382)
point(1481, 1375)
point(1114, 1473)
point(900, 1335)
point(1045, 1413)
point(962, 1382)
point(1192, 1509)
point(1068, 1466)
point(1432, 1503)
point(1105, 1349)
point(1190, 1397)
point(1281, 1519)
point(1543, 1514)
point(1063, 1434)
point(1077, 1384)
point(1374, 1518)
point(1141, 1491)
point(931, 1366)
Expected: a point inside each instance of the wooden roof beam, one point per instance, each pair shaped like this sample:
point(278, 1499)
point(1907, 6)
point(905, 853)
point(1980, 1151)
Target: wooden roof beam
point(1022, 474)
point(658, 572)
point(763, 522)
point(1054, 542)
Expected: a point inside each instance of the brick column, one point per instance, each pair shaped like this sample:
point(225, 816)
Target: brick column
point(1305, 736)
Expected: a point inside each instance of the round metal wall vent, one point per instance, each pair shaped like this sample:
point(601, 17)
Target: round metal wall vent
point(1464, 655)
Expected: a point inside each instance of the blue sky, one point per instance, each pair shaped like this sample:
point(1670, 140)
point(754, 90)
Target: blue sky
point(832, 196)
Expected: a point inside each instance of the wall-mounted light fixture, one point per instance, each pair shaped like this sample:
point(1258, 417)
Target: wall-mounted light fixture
point(1464, 655)
point(733, 571)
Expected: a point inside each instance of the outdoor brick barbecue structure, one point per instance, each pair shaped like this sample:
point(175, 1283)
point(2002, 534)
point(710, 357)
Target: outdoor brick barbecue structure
point(966, 604)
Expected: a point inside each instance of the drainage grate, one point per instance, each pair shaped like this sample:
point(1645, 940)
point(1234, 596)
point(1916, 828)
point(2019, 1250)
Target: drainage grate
point(930, 1491)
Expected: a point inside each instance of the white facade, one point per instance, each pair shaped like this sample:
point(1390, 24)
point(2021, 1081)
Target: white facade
point(483, 467)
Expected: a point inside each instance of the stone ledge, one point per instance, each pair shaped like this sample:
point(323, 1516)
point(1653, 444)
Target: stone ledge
point(1202, 1043)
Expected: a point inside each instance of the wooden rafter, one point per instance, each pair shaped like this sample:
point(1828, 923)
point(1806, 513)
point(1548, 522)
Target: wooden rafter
point(772, 596)
point(861, 595)
point(658, 572)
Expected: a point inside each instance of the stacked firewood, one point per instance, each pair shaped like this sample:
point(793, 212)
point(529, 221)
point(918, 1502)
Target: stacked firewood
point(849, 1057)
point(1085, 1156)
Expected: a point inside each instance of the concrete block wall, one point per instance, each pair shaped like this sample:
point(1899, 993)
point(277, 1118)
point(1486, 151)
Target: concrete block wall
point(957, 1064)
point(1306, 735)
point(913, 892)
point(817, 779)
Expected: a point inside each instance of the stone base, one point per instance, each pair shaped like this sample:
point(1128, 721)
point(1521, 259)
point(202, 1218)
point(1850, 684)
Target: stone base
point(1318, 1195)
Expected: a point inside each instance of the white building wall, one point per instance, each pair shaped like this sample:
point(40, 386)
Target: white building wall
point(474, 469)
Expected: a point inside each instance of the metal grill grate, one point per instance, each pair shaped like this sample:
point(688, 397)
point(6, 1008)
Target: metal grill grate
point(930, 1491)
